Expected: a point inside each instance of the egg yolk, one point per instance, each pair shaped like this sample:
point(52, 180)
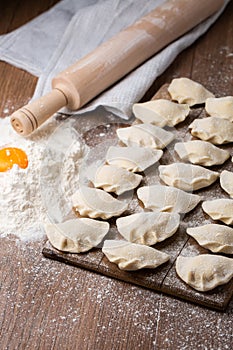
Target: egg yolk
point(10, 156)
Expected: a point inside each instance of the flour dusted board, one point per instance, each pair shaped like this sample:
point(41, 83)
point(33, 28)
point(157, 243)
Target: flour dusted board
point(163, 278)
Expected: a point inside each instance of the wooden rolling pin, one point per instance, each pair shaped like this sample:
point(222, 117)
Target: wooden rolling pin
point(113, 59)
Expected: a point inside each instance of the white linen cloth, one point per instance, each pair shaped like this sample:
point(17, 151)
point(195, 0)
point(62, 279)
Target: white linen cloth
point(72, 28)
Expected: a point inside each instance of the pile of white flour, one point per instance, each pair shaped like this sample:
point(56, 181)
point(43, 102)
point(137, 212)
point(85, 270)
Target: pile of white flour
point(30, 197)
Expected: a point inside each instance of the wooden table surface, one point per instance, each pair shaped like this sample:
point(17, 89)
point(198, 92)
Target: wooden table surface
point(48, 305)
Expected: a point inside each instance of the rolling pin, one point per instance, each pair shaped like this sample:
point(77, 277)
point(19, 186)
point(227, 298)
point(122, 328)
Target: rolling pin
point(113, 59)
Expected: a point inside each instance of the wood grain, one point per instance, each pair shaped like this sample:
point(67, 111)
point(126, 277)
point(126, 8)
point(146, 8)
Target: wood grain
point(48, 305)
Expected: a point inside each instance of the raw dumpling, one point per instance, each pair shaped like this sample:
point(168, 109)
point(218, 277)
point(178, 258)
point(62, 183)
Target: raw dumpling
point(212, 129)
point(115, 179)
point(161, 112)
point(220, 107)
point(96, 203)
point(76, 235)
point(217, 238)
point(133, 158)
point(187, 177)
point(204, 272)
point(130, 256)
point(185, 90)
point(219, 209)
point(201, 152)
point(145, 135)
point(226, 182)
point(148, 228)
point(169, 199)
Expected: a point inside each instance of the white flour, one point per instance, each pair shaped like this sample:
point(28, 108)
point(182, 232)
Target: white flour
point(29, 197)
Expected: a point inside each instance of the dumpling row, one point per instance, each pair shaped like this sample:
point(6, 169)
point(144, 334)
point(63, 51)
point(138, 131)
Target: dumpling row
point(144, 143)
point(205, 272)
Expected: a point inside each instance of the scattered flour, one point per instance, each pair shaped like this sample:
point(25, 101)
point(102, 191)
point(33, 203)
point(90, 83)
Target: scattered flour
point(29, 197)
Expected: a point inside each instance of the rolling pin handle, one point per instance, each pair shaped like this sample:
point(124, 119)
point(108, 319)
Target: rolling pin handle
point(30, 117)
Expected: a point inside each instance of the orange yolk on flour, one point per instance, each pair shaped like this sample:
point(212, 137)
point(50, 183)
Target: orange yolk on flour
point(10, 156)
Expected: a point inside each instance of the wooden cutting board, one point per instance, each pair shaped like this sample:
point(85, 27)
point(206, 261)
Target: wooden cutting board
point(164, 278)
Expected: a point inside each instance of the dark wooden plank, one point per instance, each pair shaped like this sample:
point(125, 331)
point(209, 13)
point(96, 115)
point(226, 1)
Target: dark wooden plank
point(218, 298)
point(148, 278)
point(96, 261)
point(91, 259)
point(163, 278)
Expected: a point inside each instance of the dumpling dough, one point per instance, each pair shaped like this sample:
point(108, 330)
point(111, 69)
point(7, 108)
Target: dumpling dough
point(130, 256)
point(115, 179)
point(201, 152)
point(219, 209)
point(148, 228)
point(169, 199)
point(185, 90)
point(187, 177)
point(96, 203)
point(220, 107)
point(212, 129)
point(204, 272)
point(133, 158)
point(145, 135)
point(161, 112)
point(226, 182)
point(217, 238)
point(76, 235)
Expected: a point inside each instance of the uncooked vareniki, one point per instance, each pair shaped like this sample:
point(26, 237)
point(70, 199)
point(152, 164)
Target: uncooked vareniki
point(133, 158)
point(169, 199)
point(187, 177)
point(185, 90)
point(145, 135)
point(226, 182)
point(115, 179)
point(204, 272)
point(76, 235)
point(219, 209)
point(96, 203)
point(201, 152)
point(217, 238)
point(161, 112)
point(130, 256)
point(220, 107)
point(148, 227)
point(212, 129)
